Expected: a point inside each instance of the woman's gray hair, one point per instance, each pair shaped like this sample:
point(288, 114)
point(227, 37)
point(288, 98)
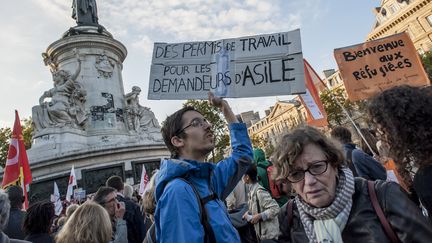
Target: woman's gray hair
point(127, 191)
point(4, 209)
point(291, 146)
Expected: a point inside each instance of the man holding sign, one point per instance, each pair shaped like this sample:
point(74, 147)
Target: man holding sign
point(190, 192)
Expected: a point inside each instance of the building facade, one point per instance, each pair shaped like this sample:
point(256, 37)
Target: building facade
point(411, 16)
point(283, 116)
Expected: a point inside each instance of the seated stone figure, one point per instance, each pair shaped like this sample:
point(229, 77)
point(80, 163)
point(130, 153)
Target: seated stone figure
point(66, 107)
point(139, 117)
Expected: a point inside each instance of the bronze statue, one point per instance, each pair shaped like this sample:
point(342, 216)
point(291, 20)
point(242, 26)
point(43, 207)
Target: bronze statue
point(85, 12)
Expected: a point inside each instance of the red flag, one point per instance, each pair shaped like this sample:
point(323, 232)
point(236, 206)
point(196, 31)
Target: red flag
point(311, 101)
point(17, 170)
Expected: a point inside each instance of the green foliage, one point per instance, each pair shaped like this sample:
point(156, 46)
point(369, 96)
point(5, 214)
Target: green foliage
point(258, 141)
point(335, 114)
point(27, 131)
point(426, 59)
point(215, 117)
point(6, 133)
point(269, 149)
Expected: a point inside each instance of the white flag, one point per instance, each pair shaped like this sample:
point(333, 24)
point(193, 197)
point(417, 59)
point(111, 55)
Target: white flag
point(55, 198)
point(144, 181)
point(71, 184)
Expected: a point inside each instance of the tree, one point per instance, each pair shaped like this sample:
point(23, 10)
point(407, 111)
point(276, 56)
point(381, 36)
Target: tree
point(215, 117)
point(5, 134)
point(426, 59)
point(258, 142)
point(335, 114)
point(27, 131)
point(269, 149)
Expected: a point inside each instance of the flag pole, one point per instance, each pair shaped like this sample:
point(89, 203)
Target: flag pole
point(349, 117)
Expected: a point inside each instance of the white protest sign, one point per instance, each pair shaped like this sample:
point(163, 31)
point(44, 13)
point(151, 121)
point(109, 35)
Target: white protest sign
point(252, 66)
point(312, 106)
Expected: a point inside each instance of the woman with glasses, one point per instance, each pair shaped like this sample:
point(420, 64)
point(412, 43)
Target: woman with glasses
point(332, 206)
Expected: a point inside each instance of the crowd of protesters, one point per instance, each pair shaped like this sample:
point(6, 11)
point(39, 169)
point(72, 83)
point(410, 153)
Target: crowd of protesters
point(316, 186)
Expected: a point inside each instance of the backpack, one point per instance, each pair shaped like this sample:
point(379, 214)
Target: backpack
point(275, 189)
point(377, 207)
point(245, 230)
point(208, 231)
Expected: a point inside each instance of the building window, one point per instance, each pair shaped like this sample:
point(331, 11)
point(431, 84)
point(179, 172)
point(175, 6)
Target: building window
point(405, 2)
point(383, 12)
point(393, 8)
point(429, 19)
point(379, 20)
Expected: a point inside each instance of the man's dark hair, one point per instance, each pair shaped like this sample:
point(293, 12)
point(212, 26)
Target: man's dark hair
point(38, 218)
point(101, 194)
point(252, 172)
point(16, 196)
point(115, 182)
point(171, 126)
point(342, 134)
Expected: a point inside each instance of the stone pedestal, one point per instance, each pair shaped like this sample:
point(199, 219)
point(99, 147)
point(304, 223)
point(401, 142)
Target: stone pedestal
point(97, 137)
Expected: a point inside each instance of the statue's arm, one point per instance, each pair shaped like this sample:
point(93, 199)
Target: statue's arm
point(46, 94)
point(78, 70)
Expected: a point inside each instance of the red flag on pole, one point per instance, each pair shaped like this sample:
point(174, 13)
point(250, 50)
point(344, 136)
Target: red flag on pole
point(17, 170)
point(311, 101)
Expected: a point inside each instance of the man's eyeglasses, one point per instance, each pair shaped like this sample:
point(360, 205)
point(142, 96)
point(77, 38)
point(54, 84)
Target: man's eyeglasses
point(317, 168)
point(197, 122)
point(110, 201)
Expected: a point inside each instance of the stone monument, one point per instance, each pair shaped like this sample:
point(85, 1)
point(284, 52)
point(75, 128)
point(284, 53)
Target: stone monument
point(86, 119)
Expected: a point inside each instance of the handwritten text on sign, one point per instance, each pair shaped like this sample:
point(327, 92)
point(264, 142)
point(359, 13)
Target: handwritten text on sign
point(371, 67)
point(250, 66)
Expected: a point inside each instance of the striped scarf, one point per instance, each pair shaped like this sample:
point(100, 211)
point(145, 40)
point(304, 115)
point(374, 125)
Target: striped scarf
point(326, 224)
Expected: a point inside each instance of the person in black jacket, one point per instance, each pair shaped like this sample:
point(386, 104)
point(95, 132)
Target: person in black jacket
point(37, 222)
point(332, 206)
point(16, 216)
point(4, 215)
point(365, 165)
point(133, 216)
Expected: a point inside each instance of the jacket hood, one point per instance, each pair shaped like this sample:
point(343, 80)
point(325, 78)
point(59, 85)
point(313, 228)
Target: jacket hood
point(174, 168)
point(260, 158)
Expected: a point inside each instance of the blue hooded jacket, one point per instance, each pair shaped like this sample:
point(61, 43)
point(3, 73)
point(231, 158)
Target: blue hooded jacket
point(177, 216)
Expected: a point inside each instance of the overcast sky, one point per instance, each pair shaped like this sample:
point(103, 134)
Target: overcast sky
point(29, 26)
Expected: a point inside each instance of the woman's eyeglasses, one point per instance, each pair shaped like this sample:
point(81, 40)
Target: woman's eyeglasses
point(317, 168)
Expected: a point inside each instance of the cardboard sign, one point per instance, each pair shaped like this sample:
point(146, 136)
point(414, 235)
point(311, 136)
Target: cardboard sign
point(263, 65)
point(374, 66)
